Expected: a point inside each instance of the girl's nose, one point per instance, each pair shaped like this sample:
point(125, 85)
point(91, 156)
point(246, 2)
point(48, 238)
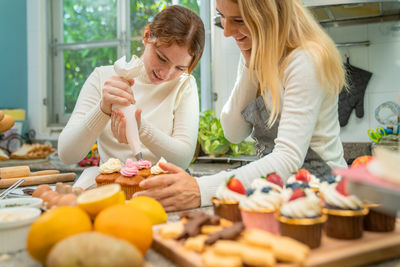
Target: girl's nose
point(227, 27)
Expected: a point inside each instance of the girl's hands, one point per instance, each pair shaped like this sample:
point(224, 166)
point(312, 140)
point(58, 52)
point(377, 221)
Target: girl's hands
point(175, 191)
point(118, 124)
point(116, 90)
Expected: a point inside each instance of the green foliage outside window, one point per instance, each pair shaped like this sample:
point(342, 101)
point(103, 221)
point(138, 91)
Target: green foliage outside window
point(87, 20)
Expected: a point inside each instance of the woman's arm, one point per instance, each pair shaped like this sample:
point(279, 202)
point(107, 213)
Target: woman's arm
point(178, 148)
point(85, 124)
point(302, 100)
point(235, 127)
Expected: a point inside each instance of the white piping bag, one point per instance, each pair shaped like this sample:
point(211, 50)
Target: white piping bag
point(130, 70)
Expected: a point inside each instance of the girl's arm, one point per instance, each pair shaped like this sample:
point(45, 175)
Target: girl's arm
point(85, 123)
point(235, 127)
point(178, 148)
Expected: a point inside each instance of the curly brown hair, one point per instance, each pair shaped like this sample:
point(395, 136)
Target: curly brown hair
point(179, 25)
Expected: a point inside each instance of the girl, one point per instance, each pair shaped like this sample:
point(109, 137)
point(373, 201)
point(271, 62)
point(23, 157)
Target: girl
point(285, 95)
point(165, 92)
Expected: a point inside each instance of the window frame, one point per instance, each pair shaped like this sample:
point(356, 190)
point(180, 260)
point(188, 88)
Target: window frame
point(55, 93)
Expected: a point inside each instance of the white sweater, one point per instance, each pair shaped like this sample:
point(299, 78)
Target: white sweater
point(308, 118)
point(169, 123)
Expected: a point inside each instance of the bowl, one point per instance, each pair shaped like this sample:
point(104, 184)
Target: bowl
point(28, 202)
point(14, 227)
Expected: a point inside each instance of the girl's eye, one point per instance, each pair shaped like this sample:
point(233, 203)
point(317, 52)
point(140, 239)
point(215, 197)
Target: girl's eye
point(238, 21)
point(180, 69)
point(160, 58)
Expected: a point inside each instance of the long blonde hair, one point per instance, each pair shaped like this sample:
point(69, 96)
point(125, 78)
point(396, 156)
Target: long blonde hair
point(277, 27)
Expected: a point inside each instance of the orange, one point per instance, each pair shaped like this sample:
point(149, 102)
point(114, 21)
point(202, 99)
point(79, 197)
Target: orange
point(150, 207)
point(95, 200)
point(53, 226)
point(128, 223)
point(361, 161)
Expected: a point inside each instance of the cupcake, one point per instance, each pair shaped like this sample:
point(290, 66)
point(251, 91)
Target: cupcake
point(144, 168)
point(377, 221)
point(129, 179)
point(345, 212)
point(259, 207)
point(272, 180)
point(156, 169)
point(301, 217)
point(109, 172)
point(304, 176)
point(227, 198)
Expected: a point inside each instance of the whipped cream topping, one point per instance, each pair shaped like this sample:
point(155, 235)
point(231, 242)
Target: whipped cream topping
point(156, 169)
point(143, 164)
point(130, 168)
point(128, 70)
point(112, 165)
point(225, 194)
point(335, 199)
point(304, 207)
point(259, 201)
point(260, 183)
point(314, 181)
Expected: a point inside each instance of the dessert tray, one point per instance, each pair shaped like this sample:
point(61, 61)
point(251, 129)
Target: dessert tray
point(372, 247)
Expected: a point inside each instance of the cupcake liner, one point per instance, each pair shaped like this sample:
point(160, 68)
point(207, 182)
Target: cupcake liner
point(227, 209)
point(130, 190)
point(305, 230)
point(376, 221)
point(261, 220)
point(345, 224)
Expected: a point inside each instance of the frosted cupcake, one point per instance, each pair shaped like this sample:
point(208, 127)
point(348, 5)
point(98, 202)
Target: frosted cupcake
point(109, 172)
point(301, 217)
point(345, 212)
point(227, 198)
point(156, 169)
point(144, 167)
point(129, 179)
point(272, 180)
point(304, 176)
point(259, 207)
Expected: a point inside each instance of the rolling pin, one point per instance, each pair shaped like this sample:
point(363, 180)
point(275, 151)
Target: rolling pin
point(22, 171)
point(42, 179)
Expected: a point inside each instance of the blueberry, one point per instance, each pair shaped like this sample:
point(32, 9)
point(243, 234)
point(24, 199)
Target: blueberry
point(304, 185)
point(331, 179)
point(296, 185)
point(250, 191)
point(266, 189)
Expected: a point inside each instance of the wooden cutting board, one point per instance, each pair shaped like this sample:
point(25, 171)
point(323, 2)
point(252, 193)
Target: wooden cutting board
point(41, 179)
point(372, 247)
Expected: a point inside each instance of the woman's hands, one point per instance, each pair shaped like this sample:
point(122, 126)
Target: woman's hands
point(118, 91)
point(175, 191)
point(118, 124)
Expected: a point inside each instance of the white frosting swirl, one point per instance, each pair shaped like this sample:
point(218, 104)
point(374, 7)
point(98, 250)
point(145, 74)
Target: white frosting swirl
point(225, 194)
point(260, 183)
point(304, 207)
point(314, 181)
point(335, 199)
point(260, 200)
point(112, 165)
point(128, 70)
point(156, 169)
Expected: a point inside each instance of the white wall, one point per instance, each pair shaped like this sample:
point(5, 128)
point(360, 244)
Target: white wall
point(382, 58)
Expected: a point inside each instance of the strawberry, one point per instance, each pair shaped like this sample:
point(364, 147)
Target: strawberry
point(341, 188)
point(236, 186)
point(297, 193)
point(275, 179)
point(303, 175)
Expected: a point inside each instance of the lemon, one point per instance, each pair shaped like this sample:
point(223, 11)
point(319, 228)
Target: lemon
point(95, 200)
point(151, 207)
point(128, 223)
point(52, 227)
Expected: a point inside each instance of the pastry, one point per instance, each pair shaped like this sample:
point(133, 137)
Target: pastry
point(305, 176)
point(144, 168)
point(301, 217)
point(109, 172)
point(32, 151)
point(259, 207)
point(378, 221)
point(227, 198)
point(156, 169)
point(345, 212)
point(129, 180)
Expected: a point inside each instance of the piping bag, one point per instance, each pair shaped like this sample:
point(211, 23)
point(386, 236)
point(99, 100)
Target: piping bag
point(130, 70)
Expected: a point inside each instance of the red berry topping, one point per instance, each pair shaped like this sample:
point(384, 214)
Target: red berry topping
point(236, 186)
point(341, 188)
point(275, 179)
point(297, 193)
point(303, 175)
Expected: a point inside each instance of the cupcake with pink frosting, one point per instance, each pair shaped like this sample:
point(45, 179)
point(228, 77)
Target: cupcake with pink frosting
point(144, 168)
point(129, 179)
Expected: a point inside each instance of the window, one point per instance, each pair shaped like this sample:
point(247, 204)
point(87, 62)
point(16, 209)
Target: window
point(86, 34)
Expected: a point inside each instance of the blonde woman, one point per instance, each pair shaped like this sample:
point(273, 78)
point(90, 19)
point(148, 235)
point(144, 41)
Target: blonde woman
point(285, 96)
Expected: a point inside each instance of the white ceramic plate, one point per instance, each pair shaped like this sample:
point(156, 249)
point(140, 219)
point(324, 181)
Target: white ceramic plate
point(26, 202)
